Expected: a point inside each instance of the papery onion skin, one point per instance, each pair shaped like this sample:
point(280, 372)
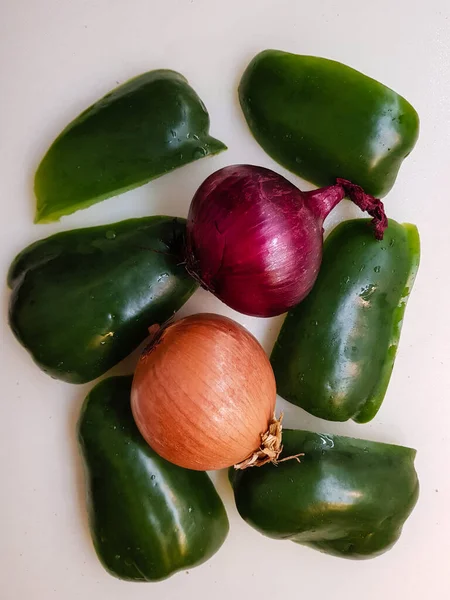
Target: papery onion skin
point(203, 393)
point(255, 240)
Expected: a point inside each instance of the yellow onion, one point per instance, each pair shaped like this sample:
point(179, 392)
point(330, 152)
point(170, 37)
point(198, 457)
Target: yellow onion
point(203, 395)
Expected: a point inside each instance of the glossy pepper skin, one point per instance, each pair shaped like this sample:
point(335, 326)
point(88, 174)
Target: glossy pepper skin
point(146, 127)
point(148, 517)
point(336, 350)
point(321, 120)
point(82, 300)
point(347, 497)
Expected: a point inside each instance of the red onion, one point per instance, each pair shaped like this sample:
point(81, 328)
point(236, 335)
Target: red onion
point(203, 396)
point(255, 240)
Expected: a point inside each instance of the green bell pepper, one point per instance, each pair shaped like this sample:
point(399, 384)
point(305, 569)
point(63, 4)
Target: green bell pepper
point(148, 517)
point(347, 497)
point(82, 300)
point(336, 350)
point(148, 126)
point(321, 120)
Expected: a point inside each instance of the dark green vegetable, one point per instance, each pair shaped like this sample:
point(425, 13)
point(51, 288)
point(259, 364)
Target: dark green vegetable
point(148, 518)
point(82, 300)
point(347, 497)
point(336, 350)
point(148, 126)
point(322, 120)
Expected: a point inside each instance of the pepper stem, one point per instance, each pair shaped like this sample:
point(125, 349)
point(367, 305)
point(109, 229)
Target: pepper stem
point(270, 448)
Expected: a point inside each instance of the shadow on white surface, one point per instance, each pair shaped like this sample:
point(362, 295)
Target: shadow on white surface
point(76, 403)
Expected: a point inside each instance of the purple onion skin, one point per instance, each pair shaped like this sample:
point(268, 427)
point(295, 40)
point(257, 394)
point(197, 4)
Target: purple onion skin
point(255, 240)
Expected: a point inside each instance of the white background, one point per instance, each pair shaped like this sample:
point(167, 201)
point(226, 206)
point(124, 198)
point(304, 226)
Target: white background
point(57, 57)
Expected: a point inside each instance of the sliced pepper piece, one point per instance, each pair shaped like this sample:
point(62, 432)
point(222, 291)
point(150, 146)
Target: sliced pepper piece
point(146, 127)
point(82, 300)
point(336, 350)
point(346, 497)
point(322, 120)
point(148, 517)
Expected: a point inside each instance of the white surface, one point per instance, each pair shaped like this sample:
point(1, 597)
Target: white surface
point(57, 56)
